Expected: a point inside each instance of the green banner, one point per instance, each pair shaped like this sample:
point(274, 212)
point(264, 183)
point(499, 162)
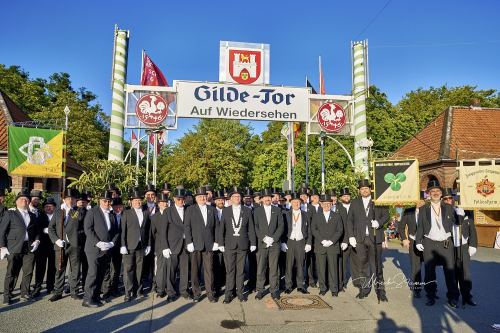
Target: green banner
point(35, 152)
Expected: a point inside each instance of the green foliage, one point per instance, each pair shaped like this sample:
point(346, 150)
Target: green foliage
point(10, 200)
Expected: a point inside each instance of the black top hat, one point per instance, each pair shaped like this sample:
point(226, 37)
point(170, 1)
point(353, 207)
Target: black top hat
point(163, 197)
point(233, 190)
point(256, 194)
point(219, 194)
point(314, 192)
point(200, 191)
point(247, 192)
point(208, 188)
point(179, 192)
point(325, 198)
point(332, 192)
point(166, 187)
point(70, 193)
point(24, 193)
point(276, 190)
point(189, 193)
point(344, 191)
point(135, 193)
point(117, 201)
point(267, 192)
point(106, 195)
point(3, 191)
point(36, 193)
point(49, 201)
point(83, 196)
point(422, 195)
point(304, 190)
point(447, 192)
point(288, 192)
point(150, 188)
point(295, 196)
point(364, 183)
point(111, 187)
point(433, 184)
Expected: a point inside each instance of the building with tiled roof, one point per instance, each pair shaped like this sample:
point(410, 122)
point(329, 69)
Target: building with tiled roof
point(11, 113)
point(458, 133)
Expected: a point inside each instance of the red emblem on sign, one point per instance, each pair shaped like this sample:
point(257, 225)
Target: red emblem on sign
point(245, 65)
point(485, 187)
point(331, 117)
point(151, 109)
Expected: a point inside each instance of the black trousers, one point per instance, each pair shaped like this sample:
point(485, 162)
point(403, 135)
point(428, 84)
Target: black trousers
point(45, 262)
point(220, 271)
point(435, 254)
point(295, 256)
point(462, 271)
point(71, 255)
point(134, 271)
point(311, 270)
point(98, 266)
point(350, 267)
point(84, 266)
point(416, 261)
point(235, 271)
point(199, 258)
point(268, 258)
point(112, 276)
point(178, 263)
point(252, 270)
point(369, 269)
point(327, 263)
point(161, 277)
point(16, 261)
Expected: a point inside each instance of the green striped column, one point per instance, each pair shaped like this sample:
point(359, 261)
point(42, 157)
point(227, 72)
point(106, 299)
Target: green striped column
point(359, 90)
point(118, 104)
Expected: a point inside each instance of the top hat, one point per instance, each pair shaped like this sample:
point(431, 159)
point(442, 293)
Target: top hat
point(150, 188)
point(364, 183)
point(83, 196)
point(179, 192)
point(447, 192)
point(163, 197)
point(432, 184)
point(36, 193)
point(266, 193)
point(135, 193)
point(247, 192)
point(234, 190)
point(106, 195)
point(304, 190)
point(332, 192)
point(49, 201)
point(24, 193)
point(288, 192)
point(208, 188)
point(314, 192)
point(344, 191)
point(276, 190)
point(295, 196)
point(166, 187)
point(117, 201)
point(256, 194)
point(200, 191)
point(325, 198)
point(219, 194)
point(422, 195)
point(70, 193)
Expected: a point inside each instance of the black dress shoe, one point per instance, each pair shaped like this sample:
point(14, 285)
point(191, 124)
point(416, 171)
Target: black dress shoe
point(171, 298)
point(259, 296)
point(335, 294)
point(470, 302)
point(453, 304)
point(360, 295)
point(211, 299)
point(430, 301)
point(55, 297)
point(288, 290)
point(6, 301)
point(242, 298)
point(35, 293)
point(302, 291)
point(313, 285)
point(383, 298)
point(106, 297)
point(161, 294)
point(196, 298)
point(322, 293)
point(275, 295)
point(91, 304)
point(228, 299)
point(127, 299)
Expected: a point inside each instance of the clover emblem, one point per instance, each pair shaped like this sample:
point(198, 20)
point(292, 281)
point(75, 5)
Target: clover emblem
point(395, 181)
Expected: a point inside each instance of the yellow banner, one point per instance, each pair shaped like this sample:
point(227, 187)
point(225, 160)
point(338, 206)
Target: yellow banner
point(479, 186)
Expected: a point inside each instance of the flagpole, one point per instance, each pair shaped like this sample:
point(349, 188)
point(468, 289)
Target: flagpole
point(292, 153)
point(137, 158)
point(147, 159)
point(307, 149)
point(155, 156)
point(63, 182)
point(289, 156)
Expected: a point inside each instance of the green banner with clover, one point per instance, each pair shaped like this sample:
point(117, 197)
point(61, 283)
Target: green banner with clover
point(396, 181)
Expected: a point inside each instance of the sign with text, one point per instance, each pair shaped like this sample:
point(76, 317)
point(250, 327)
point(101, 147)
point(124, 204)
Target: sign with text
point(396, 182)
point(249, 102)
point(479, 186)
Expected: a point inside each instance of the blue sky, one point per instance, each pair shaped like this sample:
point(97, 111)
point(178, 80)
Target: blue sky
point(412, 44)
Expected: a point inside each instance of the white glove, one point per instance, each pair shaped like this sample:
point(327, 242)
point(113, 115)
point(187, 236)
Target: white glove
point(459, 211)
point(4, 252)
point(472, 251)
point(328, 243)
point(221, 249)
point(215, 247)
point(35, 245)
point(45, 230)
point(343, 246)
point(284, 247)
point(253, 248)
point(352, 241)
point(308, 248)
point(107, 246)
point(166, 253)
point(375, 224)
point(268, 240)
point(190, 247)
point(324, 242)
point(60, 243)
point(101, 246)
point(148, 249)
point(420, 247)
point(123, 250)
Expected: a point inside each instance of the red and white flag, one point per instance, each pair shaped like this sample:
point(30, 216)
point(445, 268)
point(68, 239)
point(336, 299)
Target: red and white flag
point(152, 143)
point(151, 74)
point(134, 142)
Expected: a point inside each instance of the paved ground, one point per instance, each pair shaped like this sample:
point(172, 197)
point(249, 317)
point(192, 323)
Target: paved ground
point(347, 314)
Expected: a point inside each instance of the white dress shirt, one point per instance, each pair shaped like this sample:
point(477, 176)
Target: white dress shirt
point(366, 204)
point(327, 215)
point(236, 213)
point(204, 213)
point(316, 207)
point(180, 210)
point(437, 232)
point(140, 215)
point(26, 219)
point(219, 213)
point(296, 233)
point(106, 217)
point(346, 206)
point(267, 210)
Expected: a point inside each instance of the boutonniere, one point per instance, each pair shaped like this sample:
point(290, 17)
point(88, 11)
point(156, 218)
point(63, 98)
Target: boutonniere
point(74, 215)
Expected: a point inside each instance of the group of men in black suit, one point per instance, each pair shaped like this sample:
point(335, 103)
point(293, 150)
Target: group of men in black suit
point(437, 233)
